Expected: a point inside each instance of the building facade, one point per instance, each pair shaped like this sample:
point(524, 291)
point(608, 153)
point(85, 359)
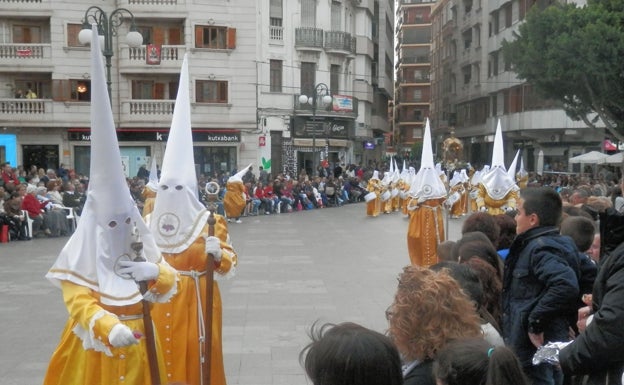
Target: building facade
point(413, 83)
point(324, 80)
point(42, 54)
point(473, 87)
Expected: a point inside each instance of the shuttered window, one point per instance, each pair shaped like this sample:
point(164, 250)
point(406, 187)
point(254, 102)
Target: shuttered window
point(211, 91)
point(308, 13)
point(215, 37)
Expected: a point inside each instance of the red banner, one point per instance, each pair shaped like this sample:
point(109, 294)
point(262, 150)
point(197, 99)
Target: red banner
point(153, 54)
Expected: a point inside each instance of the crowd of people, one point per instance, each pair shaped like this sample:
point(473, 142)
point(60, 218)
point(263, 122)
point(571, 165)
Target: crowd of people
point(42, 197)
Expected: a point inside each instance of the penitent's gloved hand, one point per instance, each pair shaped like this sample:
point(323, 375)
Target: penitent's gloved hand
point(139, 271)
point(213, 246)
point(121, 335)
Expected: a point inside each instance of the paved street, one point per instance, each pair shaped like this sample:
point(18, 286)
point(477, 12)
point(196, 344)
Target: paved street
point(331, 265)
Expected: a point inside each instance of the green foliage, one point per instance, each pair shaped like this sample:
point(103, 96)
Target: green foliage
point(574, 55)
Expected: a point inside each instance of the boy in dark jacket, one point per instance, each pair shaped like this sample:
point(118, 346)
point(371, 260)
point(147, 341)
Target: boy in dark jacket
point(540, 282)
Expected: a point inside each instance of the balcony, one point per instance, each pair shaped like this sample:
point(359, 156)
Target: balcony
point(133, 60)
point(21, 5)
point(309, 39)
point(147, 109)
point(424, 59)
point(27, 57)
point(276, 34)
point(25, 110)
point(340, 43)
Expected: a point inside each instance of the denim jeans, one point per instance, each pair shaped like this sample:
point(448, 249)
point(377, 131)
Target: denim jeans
point(544, 374)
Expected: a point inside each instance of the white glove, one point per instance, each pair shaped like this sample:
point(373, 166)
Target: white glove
point(508, 209)
point(483, 209)
point(121, 335)
point(213, 246)
point(139, 271)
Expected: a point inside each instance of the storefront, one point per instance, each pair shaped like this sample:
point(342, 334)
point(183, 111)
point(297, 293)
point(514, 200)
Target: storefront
point(322, 138)
point(214, 150)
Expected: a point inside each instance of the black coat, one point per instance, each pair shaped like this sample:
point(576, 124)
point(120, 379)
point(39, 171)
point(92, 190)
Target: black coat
point(421, 374)
point(599, 350)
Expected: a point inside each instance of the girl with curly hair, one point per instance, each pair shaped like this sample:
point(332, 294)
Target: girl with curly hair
point(428, 311)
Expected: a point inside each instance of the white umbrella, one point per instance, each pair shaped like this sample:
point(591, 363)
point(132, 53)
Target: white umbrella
point(592, 157)
point(615, 158)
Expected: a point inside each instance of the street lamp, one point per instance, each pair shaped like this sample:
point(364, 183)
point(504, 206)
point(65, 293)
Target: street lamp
point(321, 96)
point(107, 28)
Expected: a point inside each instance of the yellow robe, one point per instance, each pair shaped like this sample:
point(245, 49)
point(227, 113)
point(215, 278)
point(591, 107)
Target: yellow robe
point(374, 207)
point(177, 320)
point(425, 232)
point(495, 206)
point(72, 364)
point(458, 207)
point(234, 200)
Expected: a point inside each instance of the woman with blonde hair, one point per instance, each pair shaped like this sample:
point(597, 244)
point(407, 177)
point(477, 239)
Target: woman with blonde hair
point(429, 311)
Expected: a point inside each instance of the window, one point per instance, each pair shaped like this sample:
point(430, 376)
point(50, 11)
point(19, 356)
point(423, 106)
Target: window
point(154, 90)
point(416, 95)
point(275, 20)
point(211, 91)
point(336, 16)
point(161, 34)
point(27, 34)
point(308, 78)
point(72, 35)
point(466, 72)
point(215, 37)
point(308, 13)
point(276, 31)
point(72, 90)
point(276, 75)
point(334, 79)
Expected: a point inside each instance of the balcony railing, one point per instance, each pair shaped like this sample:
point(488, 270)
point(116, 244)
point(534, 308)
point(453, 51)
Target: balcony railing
point(415, 59)
point(24, 51)
point(151, 107)
point(152, 2)
point(339, 41)
point(309, 38)
point(276, 33)
point(21, 1)
point(24, 107)
point(167, 53)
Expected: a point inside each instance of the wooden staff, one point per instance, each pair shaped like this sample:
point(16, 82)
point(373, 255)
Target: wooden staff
point(150, 340)
point(212, 189)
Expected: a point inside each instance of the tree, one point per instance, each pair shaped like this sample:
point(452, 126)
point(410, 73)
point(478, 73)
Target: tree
point(574, 55)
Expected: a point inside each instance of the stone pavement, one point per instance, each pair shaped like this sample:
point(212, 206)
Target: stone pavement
point(330, 265)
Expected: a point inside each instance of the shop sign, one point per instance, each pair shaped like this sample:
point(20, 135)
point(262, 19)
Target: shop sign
point(262, 141)
point(159, 136)
point(323, 127)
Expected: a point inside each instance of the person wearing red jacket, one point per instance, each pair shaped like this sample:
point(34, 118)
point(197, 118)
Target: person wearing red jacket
point(35, 209)
point(8, 176)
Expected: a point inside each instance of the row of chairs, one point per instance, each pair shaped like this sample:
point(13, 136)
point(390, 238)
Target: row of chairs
point(71, 216)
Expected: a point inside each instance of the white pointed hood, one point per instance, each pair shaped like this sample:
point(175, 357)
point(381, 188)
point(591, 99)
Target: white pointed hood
point(375, 175)
point(152, 184)
point(514, 164)
point(238, 177)
point(427, 184)
point(179, 216)
point(404, 173)
point(105, 231)
point(396, 173)
point(522, 172)
point(496, 181)
point(455, 179)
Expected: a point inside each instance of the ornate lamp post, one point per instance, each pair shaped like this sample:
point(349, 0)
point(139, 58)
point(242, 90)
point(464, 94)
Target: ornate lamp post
point(107, 28)
point(321, 97)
